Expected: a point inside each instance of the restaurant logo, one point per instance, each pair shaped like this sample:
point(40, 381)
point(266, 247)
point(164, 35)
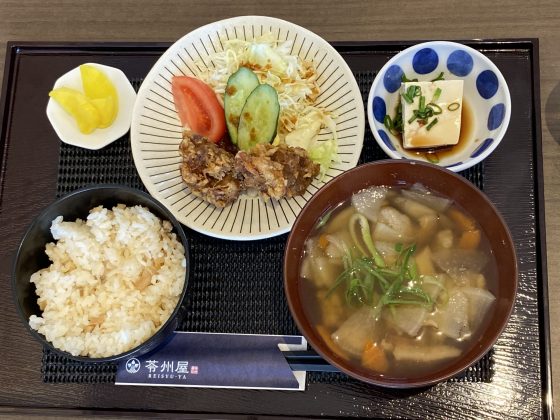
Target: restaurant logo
point(132, 365)
point(168, 369)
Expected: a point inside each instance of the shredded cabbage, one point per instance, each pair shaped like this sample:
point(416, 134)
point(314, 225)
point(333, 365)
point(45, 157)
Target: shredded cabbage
point(294, 79)
point(323, 153)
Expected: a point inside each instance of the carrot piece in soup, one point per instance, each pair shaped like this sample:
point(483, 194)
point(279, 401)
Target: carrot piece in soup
point(374, 357)
point(464, 222)
point(323, 242)
point(470, 239)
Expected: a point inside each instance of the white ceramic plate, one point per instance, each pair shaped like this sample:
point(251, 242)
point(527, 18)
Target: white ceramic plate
point(156, 130)
point(67, 129)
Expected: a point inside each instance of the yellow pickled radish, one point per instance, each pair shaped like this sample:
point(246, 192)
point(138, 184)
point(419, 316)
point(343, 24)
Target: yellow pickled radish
point(78, 106)
point(107, 108)
point(97, 85)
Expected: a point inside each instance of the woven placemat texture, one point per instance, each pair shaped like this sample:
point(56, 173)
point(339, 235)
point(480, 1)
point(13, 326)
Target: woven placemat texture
point(234, 287)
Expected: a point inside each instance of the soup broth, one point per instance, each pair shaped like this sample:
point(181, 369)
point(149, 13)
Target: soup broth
point(399, 281)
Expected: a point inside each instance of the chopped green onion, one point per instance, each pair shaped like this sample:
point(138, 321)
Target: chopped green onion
point(388, 123)
point(394, 125)
point(368, 284)
point(407, 254)
point(437, 109)
point(407, 98)
point(387, 272)
point(422, 104)
point(397, 123)
point(434, 122)
point(366, 237)
point(405, 79)
point(412, 268)
point(454, 106)
point(411, 93)
point(437, 93)
point(339, 280)
point(440, 77)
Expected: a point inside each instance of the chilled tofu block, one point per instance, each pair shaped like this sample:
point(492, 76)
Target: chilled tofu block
point(431, 113)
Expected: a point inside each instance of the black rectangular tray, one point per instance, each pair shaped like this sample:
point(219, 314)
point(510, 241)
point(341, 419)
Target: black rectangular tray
point(520, 382)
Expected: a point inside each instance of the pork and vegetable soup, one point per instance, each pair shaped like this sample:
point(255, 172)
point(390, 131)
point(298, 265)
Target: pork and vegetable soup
point(399, 281)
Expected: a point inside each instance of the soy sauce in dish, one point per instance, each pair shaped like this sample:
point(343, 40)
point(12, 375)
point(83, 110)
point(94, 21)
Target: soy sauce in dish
point(437, 154)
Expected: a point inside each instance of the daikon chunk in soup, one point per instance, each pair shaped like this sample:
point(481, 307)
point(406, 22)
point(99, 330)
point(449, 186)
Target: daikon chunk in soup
point(399, 281)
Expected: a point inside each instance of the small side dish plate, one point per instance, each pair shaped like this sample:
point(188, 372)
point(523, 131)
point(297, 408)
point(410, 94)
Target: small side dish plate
point(67, 129)
point(485, 92)
point(156, 131)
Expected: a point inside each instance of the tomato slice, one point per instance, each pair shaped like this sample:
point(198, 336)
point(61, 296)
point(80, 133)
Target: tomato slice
point(198, 107)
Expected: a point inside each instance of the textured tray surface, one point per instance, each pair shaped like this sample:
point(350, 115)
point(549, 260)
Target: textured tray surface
point(519, 385)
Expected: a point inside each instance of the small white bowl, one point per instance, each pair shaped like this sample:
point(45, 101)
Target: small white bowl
point(67, 128)
point(485, 90)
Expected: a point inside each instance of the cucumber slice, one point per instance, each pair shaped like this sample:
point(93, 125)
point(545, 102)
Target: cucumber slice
point(259, 118)
point(239, 86)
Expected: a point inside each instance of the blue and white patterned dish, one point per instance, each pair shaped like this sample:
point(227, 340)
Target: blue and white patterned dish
point(485, 91)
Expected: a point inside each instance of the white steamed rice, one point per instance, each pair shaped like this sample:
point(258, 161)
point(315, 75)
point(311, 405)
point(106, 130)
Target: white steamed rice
point(114, 281)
